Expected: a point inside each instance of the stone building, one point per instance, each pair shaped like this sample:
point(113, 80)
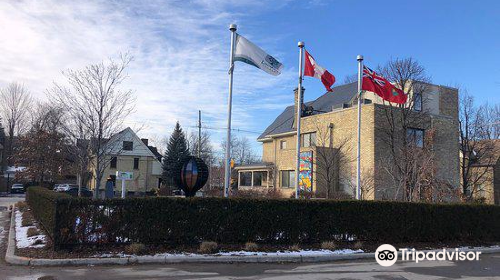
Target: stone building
point(129, 153)
point(329, 138)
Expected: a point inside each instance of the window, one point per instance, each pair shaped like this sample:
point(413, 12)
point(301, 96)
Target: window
point(259, 178)
point(308, 139)
point(417, 102)
point(415, 137)
point(282, 144)
point(112, 164)
point(128, 145)
point(287, 178)
point(246, 179)
point(136, 163)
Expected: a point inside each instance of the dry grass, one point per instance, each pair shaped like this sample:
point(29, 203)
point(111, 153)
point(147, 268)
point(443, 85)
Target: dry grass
point(358, 245)
point(22, 206)
point(208, 247)
point(328, 245)
point(135, 249)
point(251, 247)
point(32, 232)
point(294, 247)
point(27, 219)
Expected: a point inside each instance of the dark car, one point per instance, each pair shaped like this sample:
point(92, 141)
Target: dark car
point(73, 191)
point(17, 188)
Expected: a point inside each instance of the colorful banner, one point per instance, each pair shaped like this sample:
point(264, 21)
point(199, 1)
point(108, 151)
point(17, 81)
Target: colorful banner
point(306, 169)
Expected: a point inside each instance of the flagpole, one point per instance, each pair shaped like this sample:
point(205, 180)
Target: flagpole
point(358, 158)
point(227, 166)
point(299, 113)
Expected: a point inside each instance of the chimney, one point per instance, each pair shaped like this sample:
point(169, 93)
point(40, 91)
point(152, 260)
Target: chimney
point(145, 141)
point(296, 100)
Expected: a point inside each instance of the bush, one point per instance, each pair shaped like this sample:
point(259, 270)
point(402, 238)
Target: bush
point(32, 232)
point(27, 219)
point(294, 247)
point(135, 249)
point(251, 247)
point(328, 245)
point(357, 245)
point(43, 203)
point(208, 247)
point(188, 221)
point(22, 206)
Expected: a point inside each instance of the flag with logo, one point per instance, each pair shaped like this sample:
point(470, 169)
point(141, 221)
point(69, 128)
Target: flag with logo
point(312, 69)
point(247, 52)
point(382, 87)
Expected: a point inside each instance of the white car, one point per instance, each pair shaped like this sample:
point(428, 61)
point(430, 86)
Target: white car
point(63, 187)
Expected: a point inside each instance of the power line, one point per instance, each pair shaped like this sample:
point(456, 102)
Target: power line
point(223, 128)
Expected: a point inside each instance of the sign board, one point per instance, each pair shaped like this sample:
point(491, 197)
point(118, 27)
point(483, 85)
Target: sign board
point(121, 175)
point(305, 171)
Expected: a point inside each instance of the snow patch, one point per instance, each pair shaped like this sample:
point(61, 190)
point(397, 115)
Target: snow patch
point(240, 253)
point(2, 232)
point(22, 239)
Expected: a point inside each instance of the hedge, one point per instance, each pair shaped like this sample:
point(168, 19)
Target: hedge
point(42, 202)
point(177, 221)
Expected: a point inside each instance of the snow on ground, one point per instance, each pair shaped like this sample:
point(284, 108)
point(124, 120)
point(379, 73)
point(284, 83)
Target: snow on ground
point(243, 253)
point(22, 239)
point(3, 216)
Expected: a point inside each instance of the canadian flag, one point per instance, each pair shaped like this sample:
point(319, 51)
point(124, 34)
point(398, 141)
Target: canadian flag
point(312, 69)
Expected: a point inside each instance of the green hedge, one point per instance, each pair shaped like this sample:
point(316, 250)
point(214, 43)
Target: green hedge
point(42, 202)
point(287, 221)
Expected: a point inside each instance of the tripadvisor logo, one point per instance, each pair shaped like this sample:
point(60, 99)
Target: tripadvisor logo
point(387, 255)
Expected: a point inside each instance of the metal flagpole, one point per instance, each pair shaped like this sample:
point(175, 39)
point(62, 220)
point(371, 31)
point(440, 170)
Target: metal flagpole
point(358, 159)
point(227, 167)
point(199, 133)
point(299, 113)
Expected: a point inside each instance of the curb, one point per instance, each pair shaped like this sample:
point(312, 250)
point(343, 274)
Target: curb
point(11, 258)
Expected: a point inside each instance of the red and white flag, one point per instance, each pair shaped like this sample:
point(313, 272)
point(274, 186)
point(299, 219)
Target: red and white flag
point(312, 69)
point(382, 87)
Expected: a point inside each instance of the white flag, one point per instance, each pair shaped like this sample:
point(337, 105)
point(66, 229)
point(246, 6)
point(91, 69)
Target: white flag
point(246, 51)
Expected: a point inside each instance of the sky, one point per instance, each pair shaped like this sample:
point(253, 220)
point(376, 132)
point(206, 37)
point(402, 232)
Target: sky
point(181, 51)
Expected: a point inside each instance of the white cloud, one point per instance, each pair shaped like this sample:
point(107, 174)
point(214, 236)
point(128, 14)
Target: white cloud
point(180, 51)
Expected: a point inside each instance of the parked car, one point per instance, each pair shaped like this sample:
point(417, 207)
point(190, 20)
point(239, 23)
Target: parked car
point(17, 188)
point(73, 191)
point(56, 186)
point(64, 187)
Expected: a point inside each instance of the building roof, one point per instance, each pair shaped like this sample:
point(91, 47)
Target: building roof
point(256, 165)
point(323, 104)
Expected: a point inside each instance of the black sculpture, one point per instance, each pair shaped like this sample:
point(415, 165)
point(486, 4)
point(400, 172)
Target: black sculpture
point(192, 175)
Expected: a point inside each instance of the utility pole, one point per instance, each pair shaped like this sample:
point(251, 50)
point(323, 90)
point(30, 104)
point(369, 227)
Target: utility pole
point(199, 133)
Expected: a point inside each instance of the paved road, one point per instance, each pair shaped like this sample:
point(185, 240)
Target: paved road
point(487, 268)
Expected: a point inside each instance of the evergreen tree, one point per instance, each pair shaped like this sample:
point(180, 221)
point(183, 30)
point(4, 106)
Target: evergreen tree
point(177, 151)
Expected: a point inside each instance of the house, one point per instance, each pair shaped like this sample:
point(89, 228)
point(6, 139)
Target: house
point(329, 138)
point(485, 172)
point(126, 152)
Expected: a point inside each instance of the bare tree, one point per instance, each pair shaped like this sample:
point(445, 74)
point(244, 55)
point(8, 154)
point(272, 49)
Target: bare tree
point(478, 125)
point(206, 152)
point(350, 79)
point(241, 151)
point(15, 102)
point(96, 107)
point(330, 159)
point(408, 75)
